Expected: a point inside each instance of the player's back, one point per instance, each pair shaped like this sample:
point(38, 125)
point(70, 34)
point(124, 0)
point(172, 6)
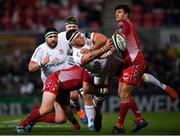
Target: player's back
point(72, 78)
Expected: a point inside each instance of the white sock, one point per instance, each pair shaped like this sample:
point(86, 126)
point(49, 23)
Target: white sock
point(151, 79)
point(90, 114)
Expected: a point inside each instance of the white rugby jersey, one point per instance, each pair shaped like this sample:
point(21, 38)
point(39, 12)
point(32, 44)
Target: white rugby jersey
point(95, 67)
point(58, 56)
point(99, 68)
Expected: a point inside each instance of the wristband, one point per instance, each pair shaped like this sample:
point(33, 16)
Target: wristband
point(40, 64)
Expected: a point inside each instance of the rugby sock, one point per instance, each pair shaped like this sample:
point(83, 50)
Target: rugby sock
point(122, 113)
point(168, 90)
point(50, 117)
point(75, 104)
point(72, 119)
point(90, 114)
point(34, 115)
point(151, 79)
point(134, 108)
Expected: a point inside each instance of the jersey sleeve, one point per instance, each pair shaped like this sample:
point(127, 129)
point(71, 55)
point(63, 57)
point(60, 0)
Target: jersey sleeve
point(123, 28)
point(37, 55)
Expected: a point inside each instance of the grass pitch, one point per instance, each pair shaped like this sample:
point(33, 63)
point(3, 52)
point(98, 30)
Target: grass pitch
point(163, 123)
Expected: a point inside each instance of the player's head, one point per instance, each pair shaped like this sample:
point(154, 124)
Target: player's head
point(71, 24)
point(122, 12)
point(51, 37)
point(75, 38)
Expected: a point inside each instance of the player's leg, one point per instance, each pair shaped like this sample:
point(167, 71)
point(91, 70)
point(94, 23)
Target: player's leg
point(130, 77)
point(98, 103)
point(53, 117)
point(167, 89)
point(74, 96)
point(89, 109)
point(48, 100)
point(98, 99)
point(124, 92)
point(64, 100)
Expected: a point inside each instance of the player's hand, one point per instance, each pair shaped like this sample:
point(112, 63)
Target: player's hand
point(45, 60)
point(85, 50)
point(108, 44)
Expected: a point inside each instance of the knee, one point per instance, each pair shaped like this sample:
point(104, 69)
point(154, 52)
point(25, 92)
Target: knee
point(61, 120)
point(74, 95)
point(44, 110)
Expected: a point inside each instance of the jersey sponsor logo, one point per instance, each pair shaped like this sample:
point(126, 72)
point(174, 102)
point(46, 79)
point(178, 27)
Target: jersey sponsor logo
point(126, 76)
point(54, 65)
point(48, 84)
point(61, 51)
point(136, 73)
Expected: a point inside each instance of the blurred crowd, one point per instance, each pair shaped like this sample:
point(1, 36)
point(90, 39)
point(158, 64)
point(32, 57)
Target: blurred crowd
point(33, 14)
point(15, 79)
point(156, 13)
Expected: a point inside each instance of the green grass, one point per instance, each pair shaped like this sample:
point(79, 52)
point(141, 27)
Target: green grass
point(159, 123)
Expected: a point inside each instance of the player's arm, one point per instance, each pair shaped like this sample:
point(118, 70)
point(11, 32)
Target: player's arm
point(37, 60)
point(94, 54)
point(99, 40)
point(34, 66)
point(108, 53)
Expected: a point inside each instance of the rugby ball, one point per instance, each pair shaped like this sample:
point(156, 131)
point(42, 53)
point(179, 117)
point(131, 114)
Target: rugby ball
point(119, 42)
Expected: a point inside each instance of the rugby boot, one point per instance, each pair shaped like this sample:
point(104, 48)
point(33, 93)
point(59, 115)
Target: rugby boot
point(29, 127)
point(139, 125)
point(117, 130)
point(171, 93)
point(91, 128)
point(81, 114)
point(20, 130)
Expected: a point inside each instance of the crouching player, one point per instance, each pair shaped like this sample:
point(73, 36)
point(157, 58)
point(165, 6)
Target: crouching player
point(56, 89)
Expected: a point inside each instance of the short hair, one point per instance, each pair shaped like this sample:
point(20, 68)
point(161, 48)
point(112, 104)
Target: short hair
point(70, 20)
point(49, 31)
point(126, 8)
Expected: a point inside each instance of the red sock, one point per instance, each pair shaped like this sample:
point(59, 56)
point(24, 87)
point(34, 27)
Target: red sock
point(122, 113)
point(134, 108)
point(50, 117)
point(34, 115)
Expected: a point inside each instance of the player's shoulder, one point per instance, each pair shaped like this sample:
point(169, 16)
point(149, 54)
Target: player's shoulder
point(62, 34)
point(42, 46)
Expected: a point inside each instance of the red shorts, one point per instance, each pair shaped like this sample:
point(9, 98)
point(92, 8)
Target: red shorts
point(132, 74)
point(63, 81)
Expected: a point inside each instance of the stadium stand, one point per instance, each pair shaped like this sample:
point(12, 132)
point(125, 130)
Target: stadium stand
point(32, 14)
